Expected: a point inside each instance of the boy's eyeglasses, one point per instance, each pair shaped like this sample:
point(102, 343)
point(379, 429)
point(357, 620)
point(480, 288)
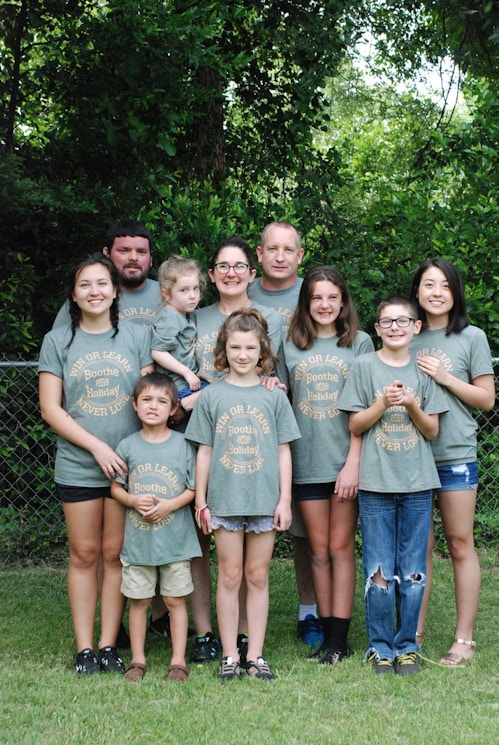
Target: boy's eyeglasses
point(402, 322)
point(223, 267)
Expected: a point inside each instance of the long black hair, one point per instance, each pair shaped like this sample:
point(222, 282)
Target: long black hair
point(458, 315)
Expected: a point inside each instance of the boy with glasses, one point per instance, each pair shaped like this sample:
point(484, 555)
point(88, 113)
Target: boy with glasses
point(395, 409)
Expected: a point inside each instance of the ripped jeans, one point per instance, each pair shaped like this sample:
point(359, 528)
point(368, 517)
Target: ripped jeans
point(394, 539)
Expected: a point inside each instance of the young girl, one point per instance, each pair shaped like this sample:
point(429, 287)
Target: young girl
point(323, 340)
point(87, 373)
point(174, 330)
point(457, 356)
point(243, 480)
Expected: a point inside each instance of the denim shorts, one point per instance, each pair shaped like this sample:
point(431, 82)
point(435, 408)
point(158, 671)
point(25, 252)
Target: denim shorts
point(458, 477)
point(81, 493)
point(250, 524)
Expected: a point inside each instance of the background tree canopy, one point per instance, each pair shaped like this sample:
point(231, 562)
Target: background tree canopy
point(206, 118)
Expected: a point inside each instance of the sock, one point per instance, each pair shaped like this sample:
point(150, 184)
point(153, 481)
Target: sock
point(306, 610)
point(326, 622)
point(338, 633)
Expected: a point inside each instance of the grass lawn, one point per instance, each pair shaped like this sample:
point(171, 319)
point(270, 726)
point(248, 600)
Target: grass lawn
point(43, 701)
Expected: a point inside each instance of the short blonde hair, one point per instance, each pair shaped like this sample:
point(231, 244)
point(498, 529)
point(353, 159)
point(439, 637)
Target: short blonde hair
point(175, 267)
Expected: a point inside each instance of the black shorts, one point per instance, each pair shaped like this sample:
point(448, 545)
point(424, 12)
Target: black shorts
point(81, 493)
point(304, 492)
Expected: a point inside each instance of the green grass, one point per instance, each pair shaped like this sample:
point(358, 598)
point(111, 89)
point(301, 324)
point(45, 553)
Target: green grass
point(42, 700)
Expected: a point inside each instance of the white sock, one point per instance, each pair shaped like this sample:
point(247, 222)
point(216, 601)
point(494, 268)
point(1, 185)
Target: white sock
point(306, 610)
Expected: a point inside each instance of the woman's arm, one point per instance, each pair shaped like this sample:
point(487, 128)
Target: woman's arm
point(50, 388)
point(480, 393)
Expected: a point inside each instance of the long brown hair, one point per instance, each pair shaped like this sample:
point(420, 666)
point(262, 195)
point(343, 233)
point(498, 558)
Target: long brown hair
point(245, 321)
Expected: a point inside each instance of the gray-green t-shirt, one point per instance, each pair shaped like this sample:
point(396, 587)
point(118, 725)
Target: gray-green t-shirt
point(98, 373)
point(283, 301)
point(208, 322)
point(244, 426)
point(175, 332)
point(164, 469)
point(395, 457)
point(316, 378)
point(466, 355)
point(138, 306)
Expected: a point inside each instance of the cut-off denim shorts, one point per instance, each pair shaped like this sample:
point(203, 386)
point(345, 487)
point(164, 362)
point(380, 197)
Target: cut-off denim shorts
point(458, 477)
point(250, 524)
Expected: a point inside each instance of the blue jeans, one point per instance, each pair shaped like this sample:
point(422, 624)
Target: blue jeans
point(394, 540)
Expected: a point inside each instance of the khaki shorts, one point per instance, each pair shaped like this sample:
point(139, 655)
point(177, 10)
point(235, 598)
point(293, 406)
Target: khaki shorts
point(297, 527)
point(139, 582)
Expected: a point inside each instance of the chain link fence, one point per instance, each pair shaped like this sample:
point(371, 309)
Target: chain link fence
point(31, 520)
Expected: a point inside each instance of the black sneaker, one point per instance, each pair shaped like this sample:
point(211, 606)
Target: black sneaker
point(205, 648)
point(161, 626)
point(407, 664)
point(333, 656)
point(242, 647)
point(110, 661)
point(381, 665)
point(310, 631)
point(229, 669)
point(86, 662)
point(122, 640)
point(259, 669)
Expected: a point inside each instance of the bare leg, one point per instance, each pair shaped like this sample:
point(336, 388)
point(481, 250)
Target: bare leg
point(343, 522)
point(137, 620)
point(457, 509)
point(315, 514)
point(112, 599)
point(420, 634)
point(83, 522)
point(259, 548)
point(303, 571)
point(230, 548)
point(200, 598)
point(178, 628)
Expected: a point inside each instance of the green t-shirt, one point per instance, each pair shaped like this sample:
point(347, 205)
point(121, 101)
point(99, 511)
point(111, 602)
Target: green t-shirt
point(175, 332)
point(244, 426)
point(98, 374)
point(138, 306)
point(283, 301)
point(467, 356)
point(208, 322)
point(395, 457)
point(164, 469)
point(315, 378)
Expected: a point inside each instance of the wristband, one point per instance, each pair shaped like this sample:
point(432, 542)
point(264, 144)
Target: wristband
point(198, 514)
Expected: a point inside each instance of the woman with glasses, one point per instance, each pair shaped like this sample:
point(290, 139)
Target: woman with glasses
point(457, 356)
point(231, 270)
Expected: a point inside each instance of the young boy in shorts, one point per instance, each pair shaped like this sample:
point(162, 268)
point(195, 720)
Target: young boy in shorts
point(160, 537)
point(395, 408)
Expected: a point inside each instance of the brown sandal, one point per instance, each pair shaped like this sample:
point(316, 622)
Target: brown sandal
point(178, 673)
point(453, 659)
point(135, 672)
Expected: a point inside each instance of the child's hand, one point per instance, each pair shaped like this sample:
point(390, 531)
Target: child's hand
point(272, 381)
point(203, 519)
point(282, 517)
point(347, 483)
point(157, 511)
point(394, 394)
point(193, 381)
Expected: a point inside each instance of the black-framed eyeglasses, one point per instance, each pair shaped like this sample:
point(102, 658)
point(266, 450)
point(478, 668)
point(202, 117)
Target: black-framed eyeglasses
point(223, 267)
point(402, 322)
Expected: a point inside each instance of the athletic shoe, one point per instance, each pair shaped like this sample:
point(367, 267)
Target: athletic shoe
point(333, 656)
point(205, 648)
point(310, 631)
point(122, 640)
point(229, 669)
point(381, 665)
point(242, 647)
point(161, 626)
point(259, 669)
point(407, 664)
point(110, 661)
point(86, 662)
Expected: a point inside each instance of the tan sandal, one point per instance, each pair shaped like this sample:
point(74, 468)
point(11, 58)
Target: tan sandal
point(135, 672)
point(453, 659)
point(178, 673)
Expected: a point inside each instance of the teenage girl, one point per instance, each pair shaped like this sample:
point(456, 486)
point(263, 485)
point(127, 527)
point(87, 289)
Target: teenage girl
point(243, 481)
point(87, 373)
point(174, 330)
point(457, 356)
point(323, 340)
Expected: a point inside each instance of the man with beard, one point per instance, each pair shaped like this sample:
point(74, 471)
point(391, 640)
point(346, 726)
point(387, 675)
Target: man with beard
point(129, 245)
